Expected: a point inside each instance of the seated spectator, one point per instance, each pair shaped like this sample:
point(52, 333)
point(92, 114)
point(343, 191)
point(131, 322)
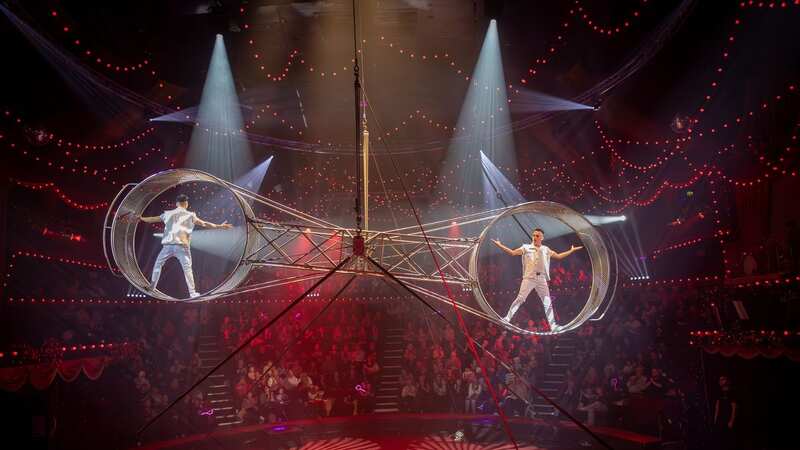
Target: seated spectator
point(657, 383)
point(457, 391)
point(141, 382)
point(248, 412)
point(517, 396)
point(409, 355)
point(242, 387)
point(439, 393)
point(592, 401)
point(364, 399)
point(316, 400)
point(408, 397)
point(454, 362)
point(474, 390)
point(252, 374)
point(371, 368)
point(639, 382)
point(291, 382)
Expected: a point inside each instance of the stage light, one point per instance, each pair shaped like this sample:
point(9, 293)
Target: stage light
point(681, 124)
point(603, 220)
point(530, 101)
point(224, 245)
point(629, 251)
point(484, 121)
point(218, 145)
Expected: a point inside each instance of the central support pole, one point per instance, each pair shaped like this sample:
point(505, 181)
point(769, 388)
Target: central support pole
point(361, 160)
point(365, 172)
point(361, 163)
point(359, 148)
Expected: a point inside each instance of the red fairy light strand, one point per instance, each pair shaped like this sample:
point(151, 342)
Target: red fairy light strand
point(606, 30)
point(54, 350)
point(687, 243)
point(712, 279)
point(705, 279)
point(60, 259)
point(68, 30)
point(66, 199)
point(49, 258)
point(268, 111)
point(74, 166)
point(718, 70)
point(72, 145)
point(768, 5)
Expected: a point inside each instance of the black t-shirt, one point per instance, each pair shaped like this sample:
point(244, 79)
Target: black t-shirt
point(726, 401)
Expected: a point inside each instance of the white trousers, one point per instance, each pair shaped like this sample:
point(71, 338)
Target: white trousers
point(538, 283)
point(184, 256)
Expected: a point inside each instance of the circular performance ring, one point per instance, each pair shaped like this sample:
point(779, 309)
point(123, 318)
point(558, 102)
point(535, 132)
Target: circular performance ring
point(123, 232)
point(591, 240)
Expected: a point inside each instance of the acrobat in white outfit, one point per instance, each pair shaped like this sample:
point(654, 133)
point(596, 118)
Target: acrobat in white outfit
point(178, 226)
point(535, 273)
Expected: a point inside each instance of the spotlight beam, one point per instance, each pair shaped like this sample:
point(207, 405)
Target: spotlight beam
point(488, 177)
point(529, 101)
point(218, 144)
point(639, 246)
point(637, 252)
point(632, 252)
point(622, 256)
point(484, 111)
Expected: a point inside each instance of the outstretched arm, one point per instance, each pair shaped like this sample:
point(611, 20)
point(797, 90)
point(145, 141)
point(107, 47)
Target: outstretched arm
point(515, 252)
point(563, 255)
point(130, 217)
point(150, 219)
point(203, 223)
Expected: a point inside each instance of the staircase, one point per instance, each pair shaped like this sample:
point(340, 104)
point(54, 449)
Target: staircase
point(387, 393)
point(219, 394)
point(555, 374)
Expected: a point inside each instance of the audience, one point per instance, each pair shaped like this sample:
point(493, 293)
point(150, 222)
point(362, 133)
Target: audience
point(330, 369)
point(618, 370)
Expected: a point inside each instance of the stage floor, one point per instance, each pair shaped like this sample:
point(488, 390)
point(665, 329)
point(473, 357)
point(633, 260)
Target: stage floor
point(408, 431)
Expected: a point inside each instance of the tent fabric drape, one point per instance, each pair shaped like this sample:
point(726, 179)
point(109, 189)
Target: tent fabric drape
point(748, 352)
point(41, 376)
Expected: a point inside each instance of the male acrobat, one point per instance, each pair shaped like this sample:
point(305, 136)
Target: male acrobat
point(535, 273)
point(178, 226)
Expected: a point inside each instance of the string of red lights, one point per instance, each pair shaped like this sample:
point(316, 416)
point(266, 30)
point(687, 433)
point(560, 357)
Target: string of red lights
point(606, 30)
point(67, 29)
point(50, 186)
point(49, 258)
point(74, 165)
point(55, 350)
point(49, 138)
point(687, 243)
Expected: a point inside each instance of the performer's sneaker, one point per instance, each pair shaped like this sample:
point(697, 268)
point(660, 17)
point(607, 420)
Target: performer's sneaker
point(194, 295)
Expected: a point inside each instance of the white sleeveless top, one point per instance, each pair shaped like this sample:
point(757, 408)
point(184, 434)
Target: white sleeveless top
point(535, 260)
point(177, 221)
